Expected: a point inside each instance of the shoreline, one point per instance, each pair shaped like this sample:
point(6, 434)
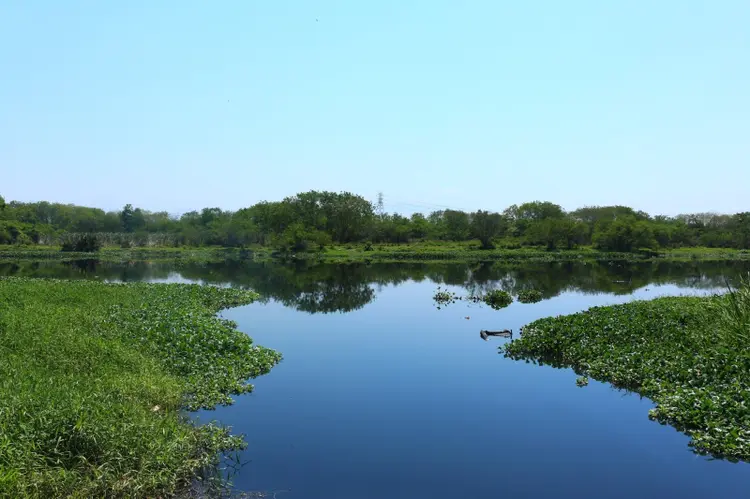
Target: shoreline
point(680, 352)
point(358, 253)
point(105, 372)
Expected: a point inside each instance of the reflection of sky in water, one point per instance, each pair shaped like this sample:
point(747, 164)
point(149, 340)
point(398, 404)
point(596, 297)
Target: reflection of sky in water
point(399, 399)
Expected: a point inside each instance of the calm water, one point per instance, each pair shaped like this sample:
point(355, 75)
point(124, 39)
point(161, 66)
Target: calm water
point(381, 395)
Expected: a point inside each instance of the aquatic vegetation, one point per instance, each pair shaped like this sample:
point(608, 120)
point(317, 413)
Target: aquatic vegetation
point(95, 378)
point(733, 313)
point(444, 297)
point(498, 299)
point(442, 251)
point(671, 350)
point(529, 296)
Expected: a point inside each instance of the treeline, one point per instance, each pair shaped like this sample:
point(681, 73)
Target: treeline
point(314, 220)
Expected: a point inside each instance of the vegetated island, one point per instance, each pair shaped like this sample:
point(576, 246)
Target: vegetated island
point(690, 355)
point(95, 378)
point(344, 226)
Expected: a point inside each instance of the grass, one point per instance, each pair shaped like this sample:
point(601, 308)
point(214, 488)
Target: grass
point(470, 251)
point(114, 254)
point(689, 355)
point(444, 251)
point(95, 378)
point(734, 314)
point(457, 251)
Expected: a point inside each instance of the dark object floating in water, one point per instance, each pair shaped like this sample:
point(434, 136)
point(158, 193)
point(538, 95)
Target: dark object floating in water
point(505, 333)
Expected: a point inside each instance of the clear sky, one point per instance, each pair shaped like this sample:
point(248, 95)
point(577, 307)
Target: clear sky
point(176, 105)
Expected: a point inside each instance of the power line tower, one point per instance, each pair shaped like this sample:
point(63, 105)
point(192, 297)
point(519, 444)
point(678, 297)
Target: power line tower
point(379, 205)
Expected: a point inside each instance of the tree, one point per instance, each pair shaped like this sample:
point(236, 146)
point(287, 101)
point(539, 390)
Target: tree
point(86, 222)
point(457, 226)
point(592, 215)
point(565, 233)
point(392, 228)
point(127, 218)
point(348, 217)
point(345, 218)
point(572, 233)
point(528, 213)
point(242, 230)
point(739, 224)
point(160, 222)
point(624, 234)
point(297, 237)
point(420, 227)
point(485, 226)
point(437, 224)
point(209, 215)
point(539, 210)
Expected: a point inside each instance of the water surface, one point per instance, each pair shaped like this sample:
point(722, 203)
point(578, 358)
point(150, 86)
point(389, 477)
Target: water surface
point(382, 395)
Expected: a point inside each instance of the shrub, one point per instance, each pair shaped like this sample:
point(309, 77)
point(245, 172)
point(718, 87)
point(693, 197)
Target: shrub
point(298, 238)
point(82, 243)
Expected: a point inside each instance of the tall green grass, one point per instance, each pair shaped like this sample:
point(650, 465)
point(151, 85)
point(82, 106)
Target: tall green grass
point(95, 377)
point(733, 314)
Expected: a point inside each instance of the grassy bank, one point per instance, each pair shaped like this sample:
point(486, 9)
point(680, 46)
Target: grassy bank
point(204, 254)
point(689, 355)
point(469, 251)
point(413, 252)
point(94, 379)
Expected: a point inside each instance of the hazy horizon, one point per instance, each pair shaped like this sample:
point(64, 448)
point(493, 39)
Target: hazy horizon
point(177, 106)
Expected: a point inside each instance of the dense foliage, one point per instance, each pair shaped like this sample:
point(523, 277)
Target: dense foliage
point(94, 377)
point(312, 220)
point(689, 355)
point(86, 243)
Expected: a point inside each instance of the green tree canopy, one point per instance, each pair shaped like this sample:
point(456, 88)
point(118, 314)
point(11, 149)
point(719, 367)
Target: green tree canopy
point(624, 234)
point(486, 226)
point(344, 218)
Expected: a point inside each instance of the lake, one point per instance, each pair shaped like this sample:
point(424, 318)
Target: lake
point(383, 395)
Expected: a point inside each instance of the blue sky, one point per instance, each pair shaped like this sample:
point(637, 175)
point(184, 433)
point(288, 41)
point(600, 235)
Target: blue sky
point(175, 105)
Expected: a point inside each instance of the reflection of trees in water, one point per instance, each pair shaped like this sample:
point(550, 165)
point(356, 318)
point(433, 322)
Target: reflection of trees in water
point(325, 288)
point(552, 279)
point(87, 269)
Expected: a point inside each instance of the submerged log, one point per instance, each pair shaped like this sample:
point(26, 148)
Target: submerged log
point(505, 333)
